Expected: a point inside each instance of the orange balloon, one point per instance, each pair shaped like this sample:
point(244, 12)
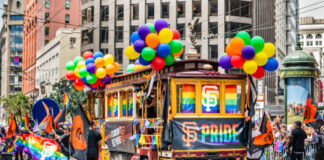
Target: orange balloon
point(110, 69)
point(79, 88)
point(178, 54)
point(237, 44)
point(152, 40)
point(229, 50)
point(99, 62)
point(117, 66)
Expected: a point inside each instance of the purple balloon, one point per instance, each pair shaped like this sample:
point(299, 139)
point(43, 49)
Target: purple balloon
point(91, 68)
point(106, 80)
point(160, 24)
point(225, 62)
point(143, 31)
point(248, 52)
point(137, 62)
point(139, 45)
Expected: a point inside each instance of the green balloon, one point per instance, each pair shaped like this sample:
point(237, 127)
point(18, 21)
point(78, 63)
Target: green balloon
point(83, 72)
point(245, 36)
point(130, 68)
point(91, 78)
point(169, 60)
point(151, 27)
point(70, 66)
point(148, 53)
point(176, 46)
point(77, 59)
point(258, 43)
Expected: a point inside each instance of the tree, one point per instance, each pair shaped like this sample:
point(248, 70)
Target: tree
point(75, 97)
point(17, 104)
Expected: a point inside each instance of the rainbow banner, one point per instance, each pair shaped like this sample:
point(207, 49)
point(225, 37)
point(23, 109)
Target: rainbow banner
point(115, 100)
point(43, 148)
point(66, 100)
point(210, 99)
point(124, 104)
point(25, 122)
point(130, 104)
point(110, 106)
point(188, 98)
point(231, 98)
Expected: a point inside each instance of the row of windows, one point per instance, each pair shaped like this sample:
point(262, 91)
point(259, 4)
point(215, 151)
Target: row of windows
point(16, 17)
point(67, 4)
point(310, 43)
point(120, 104)
point(310, 36)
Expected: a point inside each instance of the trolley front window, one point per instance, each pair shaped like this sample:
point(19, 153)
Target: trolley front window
point(186, 102)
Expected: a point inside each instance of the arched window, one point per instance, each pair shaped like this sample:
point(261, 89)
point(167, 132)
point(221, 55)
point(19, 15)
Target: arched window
point(18, 4)
point(309, 36)
point(301, 36)
point(318, 35)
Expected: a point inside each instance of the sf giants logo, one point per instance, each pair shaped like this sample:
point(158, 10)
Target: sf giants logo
point(210, 92)
point(190, 130)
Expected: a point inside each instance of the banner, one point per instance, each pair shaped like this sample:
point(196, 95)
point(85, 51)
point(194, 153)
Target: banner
point(117, 136)
point(199, 134)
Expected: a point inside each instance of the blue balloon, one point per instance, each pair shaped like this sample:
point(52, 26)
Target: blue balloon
point(144, 62)
point(89, 60)
point(135, 36)
point(97, 54)
point(84, 79)
point(271, 65)
point(163, 49)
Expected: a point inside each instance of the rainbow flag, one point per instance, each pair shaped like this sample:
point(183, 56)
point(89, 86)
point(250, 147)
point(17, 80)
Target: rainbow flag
point(66, 100)
point(111, 103)
point(115, 100)
point(124, 104)
point(11, 149)
point(25, 122)
point(130, 104)
point(210, 99)
point(231, 98)
point(41, 148)
point(188, 98)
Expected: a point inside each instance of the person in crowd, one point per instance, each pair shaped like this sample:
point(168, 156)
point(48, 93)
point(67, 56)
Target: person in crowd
point(94, 140)
point(64, 140)
point(319, 155)
point(297, 142)
point(255, 132)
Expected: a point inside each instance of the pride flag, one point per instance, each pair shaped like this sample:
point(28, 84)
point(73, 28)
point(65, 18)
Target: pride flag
point(130, 104)
point(231, 98)
point(188, 98)
point(110, 105)
point(41, 148)
point(25, 122)
point(210, 98)
point(66, 100)
point(124, 104)
point(115, 103)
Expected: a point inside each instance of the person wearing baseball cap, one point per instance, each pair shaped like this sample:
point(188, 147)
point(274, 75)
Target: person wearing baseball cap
point(297, 142)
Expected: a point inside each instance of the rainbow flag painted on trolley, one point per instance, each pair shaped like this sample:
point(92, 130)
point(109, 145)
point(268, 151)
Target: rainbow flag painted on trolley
point(188, 98)
point(231, 98)
point(43, 148)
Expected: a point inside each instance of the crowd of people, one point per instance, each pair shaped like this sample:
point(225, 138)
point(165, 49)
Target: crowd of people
point(61, 134)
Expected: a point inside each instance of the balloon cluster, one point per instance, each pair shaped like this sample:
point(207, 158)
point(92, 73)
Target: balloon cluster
point(155, 44)
point(92, 70)
point(136, 67)
point(253, 55)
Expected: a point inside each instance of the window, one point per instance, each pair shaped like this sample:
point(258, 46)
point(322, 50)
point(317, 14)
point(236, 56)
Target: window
point(309, 36)
point(186, 98)
point(47, 17)
point(165, 10)
point(104, 35)
point(72, 42)
point(181, 9)
point(104, 51)
point(120, 12)
point(301, 36)
point(87, 15)
point(127, 103)
point(213, 29)
point(46, 31)
point(67, 19)
point(196, 8)
point(318, 36)
point(302, 43)
point(150, 10)
point(16, 17)
point(238, 8)
point(311, 43)
point(46, 42)
point(182, 30)
point(135, 11)
point(233, 98)
point(213, 52)
point(119, 34)
point(87, 37)
point(113, 105)
point(105, 13)
point(232, 27)
point(47, 3)
point(67, 4)
point(18, 4)
point(213, 7)
point(198, 48)
point(119, 55)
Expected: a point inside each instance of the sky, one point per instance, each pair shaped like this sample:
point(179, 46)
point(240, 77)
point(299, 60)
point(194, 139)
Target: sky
point(311, 8)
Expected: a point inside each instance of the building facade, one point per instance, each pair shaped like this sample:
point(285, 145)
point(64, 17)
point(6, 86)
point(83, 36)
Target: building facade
point(11, 59)
point(311, 36)
point(51, 59)
point(108, 24)
point(43, 18)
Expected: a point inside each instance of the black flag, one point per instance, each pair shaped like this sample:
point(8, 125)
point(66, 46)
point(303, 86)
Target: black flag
point(167, 118)
point(79, 135)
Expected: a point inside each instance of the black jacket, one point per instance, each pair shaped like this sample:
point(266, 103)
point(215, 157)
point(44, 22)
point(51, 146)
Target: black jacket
point(298, 137)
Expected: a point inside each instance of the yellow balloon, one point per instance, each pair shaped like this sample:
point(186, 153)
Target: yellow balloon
point(250, 67)
point(136, 67)
point(261, 58)
point(101, 73)
point(76, 72)
point(165, 35)
point(131, 53)
point(81, 64)
point(269, 49)
point(109, 59)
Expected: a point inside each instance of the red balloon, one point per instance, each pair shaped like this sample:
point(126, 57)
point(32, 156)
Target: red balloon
point(176, 34)
point(259, 73)
point(78, 82)
point(87, 54)
point(95, 85)
point(158, 63)
point(237, 60)
point(70, 75)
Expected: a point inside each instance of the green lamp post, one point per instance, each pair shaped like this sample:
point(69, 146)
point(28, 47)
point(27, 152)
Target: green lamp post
point(299, 72)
